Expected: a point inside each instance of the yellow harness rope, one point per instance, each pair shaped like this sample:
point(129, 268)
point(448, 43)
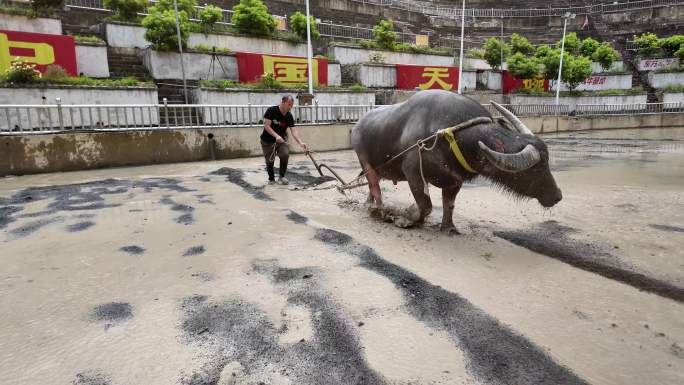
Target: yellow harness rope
point(449, 135)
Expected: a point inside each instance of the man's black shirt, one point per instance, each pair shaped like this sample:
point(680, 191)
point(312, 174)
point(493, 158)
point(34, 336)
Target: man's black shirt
point(279, 124)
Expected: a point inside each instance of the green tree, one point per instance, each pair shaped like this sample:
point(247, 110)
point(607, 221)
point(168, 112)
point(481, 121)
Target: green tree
point(46, 5)
point(384, 35)
point(648, 43)
point(605, 55)
point(161, 29)
point(493, 49)
point(126, 10)
point(551, 61)
point(588, 47)
point(209, 16)
point(298, 25)
point(251, 17)
point(522, 66)
point(572, 43)
point(680, 54)
point(188, 6)
point(576, 69)
point(521, 44)
point(542, 51)
point(671, 44)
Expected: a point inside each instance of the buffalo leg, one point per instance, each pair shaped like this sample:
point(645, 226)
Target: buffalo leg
point(448, 198)
point(374, 186)
point(417, 189)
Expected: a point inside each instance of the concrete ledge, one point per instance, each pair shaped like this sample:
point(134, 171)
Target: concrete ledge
point(166, 65)
point(27, 24)
point(665, 79)
point(92, 60)
point(552, 124)
point(354, 55)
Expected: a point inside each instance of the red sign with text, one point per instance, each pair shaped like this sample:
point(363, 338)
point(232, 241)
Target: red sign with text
point(511, 83)
point(286, 69)
point(410, 77)
point(37, 48)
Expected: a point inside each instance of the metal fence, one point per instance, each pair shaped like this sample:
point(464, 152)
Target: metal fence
point(354, 32)
point(64, 118)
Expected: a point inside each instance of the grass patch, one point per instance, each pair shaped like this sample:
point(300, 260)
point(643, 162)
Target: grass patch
point(203, 48)
point(222, 84)
point(673, 89)
point(88, 39)
point(418, 49)
point(86, 81)
point(25, 11)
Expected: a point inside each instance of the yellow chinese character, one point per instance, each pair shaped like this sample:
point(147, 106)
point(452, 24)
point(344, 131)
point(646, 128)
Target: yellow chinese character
point(422, 40)
point(290, 70)
point(43, 53)
point(436, 74)
point(533, 84)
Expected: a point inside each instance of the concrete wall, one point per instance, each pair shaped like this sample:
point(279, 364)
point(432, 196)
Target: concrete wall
point(618, 66)
point(77, 95)
point(657, 64)
point(125, 36)
point(31, 154)
point(247, 44)
point(385, 76)
point(673, 97)
point(25, 24)
point(600, 82)
point(268, 98)
point(353, 55)
point(92, 60)
point(572, 102)
point(334, 74)
point(665, 79)
point(166, 65)
point(490, 80)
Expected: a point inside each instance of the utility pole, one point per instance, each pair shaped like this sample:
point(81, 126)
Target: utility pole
point(460, 59)
point(309, 49)
point(180, 48)
point(565, 17)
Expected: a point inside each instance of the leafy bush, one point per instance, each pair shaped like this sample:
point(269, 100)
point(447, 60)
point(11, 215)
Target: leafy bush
point(572, 43)
point(605, 55)
point(376, 57)
point(648, 43)
point(251, 17)
point(88, 39)
point(126, 10)
point(209, 16)
point(543, 51)
point(46, 5)
point(588, 47)
point(674, 89)
point(671, 44)
point(522, 66)
point(298, 25)
point(680, 54)
point(521, 44)
point(551, 60)
point(368, 44)
point(475, 53)
point(207, 49)
point(576, 69)
point(21, 72)
point(161, 29)
point(187, 6)
point(54, 72)
point(384, 35)
point(357, 88)
point(493, 49)
point(219, 83)
point(268, 81)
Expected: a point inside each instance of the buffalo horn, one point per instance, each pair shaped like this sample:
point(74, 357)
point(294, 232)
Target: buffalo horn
point(508, 115)
point(517, 162)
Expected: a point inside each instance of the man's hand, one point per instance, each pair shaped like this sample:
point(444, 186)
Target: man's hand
point(280, 139)
point(304, 146)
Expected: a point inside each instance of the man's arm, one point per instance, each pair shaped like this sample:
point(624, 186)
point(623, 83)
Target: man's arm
point(267, 127)
point(295, 134)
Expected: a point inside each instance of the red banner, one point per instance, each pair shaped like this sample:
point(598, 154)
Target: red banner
point(286, 69)
point(38, 48)
point(511, 83)
point(410, 77)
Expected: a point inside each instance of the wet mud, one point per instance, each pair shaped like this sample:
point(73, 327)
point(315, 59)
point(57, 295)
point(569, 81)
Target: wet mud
point(242, 343)
point(195, 250)
point(186, 218)
point(133, 250)
point(551, 239)
point(33, 226)
point(674, 229)
point(92, 377)
point(237, 177)
point(112, 312)
point(80, 226)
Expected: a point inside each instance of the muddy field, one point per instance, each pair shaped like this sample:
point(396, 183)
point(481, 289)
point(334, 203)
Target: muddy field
point(198, 273)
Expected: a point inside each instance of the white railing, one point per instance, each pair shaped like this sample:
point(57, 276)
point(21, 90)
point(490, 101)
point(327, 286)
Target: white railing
point(353, 32)
point(59, 117)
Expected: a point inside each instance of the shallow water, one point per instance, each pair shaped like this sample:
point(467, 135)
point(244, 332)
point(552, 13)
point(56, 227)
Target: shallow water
point(143, 280)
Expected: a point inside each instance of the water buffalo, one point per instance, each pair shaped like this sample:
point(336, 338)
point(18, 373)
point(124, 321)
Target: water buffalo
point(502, 150)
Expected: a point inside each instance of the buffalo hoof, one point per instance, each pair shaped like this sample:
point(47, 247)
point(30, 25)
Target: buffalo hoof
point(403, 222)
point(449, 230)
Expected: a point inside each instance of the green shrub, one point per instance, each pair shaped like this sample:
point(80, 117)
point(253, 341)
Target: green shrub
point(187, 6)
point(268, 81)
point(21, 72)
point(219, 83)
point(674, 89)
point(605, 55)
point(523, 67)
point(572, 43)
point(208, 49)
point(209, 16)
point(588, 47)
point(493, 49)
point(357, 88)
point(54, 72)
point(384, 35)
point(542, 51)
point(680, 54)
point(475, 53)
point(161, 29)
point(376, 57)
point(671, 44)
point(648, 43)
point(46, 5)
point(251, 17)
point(298, 25)
point(126, 10)
point(521, 44)
point(88, 39)
point(551, 60)
point(368, 44)
point(576, 69)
